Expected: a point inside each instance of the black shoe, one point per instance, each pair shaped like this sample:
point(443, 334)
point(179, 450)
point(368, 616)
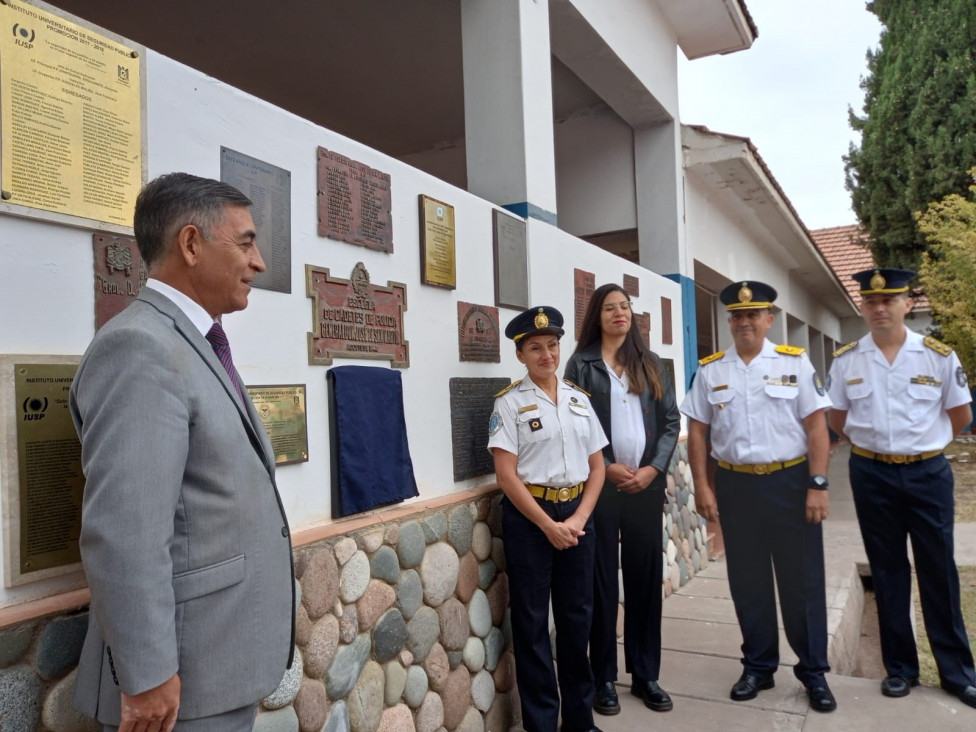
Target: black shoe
point(821, 699)
point(968, 696)
point(564, 728)
point(749, 685)
point(896, 686)
point(653, 695)
point(605, 700)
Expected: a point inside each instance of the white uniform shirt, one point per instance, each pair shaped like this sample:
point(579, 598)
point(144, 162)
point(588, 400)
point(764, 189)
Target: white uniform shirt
point(898, 408)
point(553, 442)
point(626, 421)
point(756, 412)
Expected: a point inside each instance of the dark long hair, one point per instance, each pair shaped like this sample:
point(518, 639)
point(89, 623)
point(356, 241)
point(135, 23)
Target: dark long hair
point(640, 365)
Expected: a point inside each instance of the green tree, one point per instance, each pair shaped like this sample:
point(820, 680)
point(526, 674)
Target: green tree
point(948, 271)
point(918, 131)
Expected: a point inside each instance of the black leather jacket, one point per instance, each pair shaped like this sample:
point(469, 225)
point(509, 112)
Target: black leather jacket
point(662, 421)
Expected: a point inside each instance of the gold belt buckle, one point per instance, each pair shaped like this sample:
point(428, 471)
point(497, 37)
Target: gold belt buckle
point(899, 459)
point(760, 469)
point(563, 495)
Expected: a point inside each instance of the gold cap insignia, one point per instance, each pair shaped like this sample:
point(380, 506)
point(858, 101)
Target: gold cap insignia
point(878, 282)
point(745, 294)
point(541, 320)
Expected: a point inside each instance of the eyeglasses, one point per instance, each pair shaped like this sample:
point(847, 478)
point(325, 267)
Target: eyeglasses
point(611, 307)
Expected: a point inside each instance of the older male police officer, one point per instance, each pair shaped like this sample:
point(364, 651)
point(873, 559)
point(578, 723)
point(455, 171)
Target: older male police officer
point(765, 406)
point(900, 398)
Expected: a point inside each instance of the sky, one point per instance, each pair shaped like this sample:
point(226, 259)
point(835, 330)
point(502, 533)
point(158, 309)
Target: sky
point(789, 94)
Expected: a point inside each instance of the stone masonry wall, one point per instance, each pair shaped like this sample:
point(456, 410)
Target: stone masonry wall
point(402, 625)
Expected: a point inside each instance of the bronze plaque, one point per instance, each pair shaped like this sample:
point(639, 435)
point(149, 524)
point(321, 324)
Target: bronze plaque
point(269, 188)
point(355, 319)
point(472, 401)
point(478, 335)
point(282, 411)
point(119, 275)
point(631, 285)
point(583, 285)
point(667, 335)
point(510, 258)
point(437, 243)
point(354, 202)
point(43, 481)
point(71, 124)
point(668, 366)
point(644, 326)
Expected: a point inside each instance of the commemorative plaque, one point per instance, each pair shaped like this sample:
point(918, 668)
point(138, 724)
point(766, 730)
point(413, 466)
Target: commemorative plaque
point(71, 125)
point(269, 188)
point(354, 202)
point(631, 285)
point(478, 336)
point(510, 258)
point(355, 319)
point(644, 326)
point(667, 335)
point(471, 404)
point(437, 250)
point(42, 476)
point(583, 285)
point(668, 365)
point(282, 411)
point(119, 275)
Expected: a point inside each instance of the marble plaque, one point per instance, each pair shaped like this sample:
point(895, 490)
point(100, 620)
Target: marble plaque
point(119, 275)
point(478, 334)
point(631, 285)
point(511, 263)
point(269, 188)
point(354, 202)
point(437, 266)
point(583, 285)
point(471, 405)
point(282, 411)
point(355, 319)
point(43, 481)
point(667, 334)
point(644, 326)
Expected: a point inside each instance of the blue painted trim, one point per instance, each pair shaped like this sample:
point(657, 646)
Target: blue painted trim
point(530, 211)
point(689, 324)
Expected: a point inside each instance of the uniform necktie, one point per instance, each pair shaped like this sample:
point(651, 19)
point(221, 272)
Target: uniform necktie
point(218, 339)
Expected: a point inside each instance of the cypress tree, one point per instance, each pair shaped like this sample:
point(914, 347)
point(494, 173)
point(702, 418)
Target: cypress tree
point(918, 130)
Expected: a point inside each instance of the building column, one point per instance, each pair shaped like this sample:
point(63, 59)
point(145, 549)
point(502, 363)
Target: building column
point(511, 157)
point(660, 222)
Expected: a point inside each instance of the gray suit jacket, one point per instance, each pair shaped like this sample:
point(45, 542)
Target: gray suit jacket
point(184, 538)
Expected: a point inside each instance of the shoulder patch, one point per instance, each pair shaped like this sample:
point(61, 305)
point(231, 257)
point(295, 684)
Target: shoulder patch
point(708, 359)
point(507, 388)
point(844, 349)
point(577, 386)
point(791, 350)
point(938, 346)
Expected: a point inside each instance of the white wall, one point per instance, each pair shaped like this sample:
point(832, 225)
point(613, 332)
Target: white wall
point(46, 283)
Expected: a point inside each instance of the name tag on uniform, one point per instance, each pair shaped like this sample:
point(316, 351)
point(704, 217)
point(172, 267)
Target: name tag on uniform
point(720, 387)
point(851, 382)
point(927, 380)
point(528, 408)
point(786, 380)
point(576, 404)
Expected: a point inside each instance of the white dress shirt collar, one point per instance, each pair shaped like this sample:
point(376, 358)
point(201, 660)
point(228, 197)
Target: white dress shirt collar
point(192, 309)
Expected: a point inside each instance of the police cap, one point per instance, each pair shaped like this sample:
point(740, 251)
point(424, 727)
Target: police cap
point(543, 320)
point(883, 281)
point(747, 295)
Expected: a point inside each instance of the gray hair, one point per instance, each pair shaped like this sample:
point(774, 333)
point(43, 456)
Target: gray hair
point(168, 203)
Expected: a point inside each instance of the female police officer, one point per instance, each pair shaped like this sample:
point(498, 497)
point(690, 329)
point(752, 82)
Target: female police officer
point(547, 442)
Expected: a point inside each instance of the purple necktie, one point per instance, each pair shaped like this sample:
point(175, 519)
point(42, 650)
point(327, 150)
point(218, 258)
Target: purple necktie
point(218, 339)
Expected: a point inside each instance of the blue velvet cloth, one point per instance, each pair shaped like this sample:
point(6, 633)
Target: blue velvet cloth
point(371, 456)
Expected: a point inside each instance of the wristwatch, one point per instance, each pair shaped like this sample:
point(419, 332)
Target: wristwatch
point(819, 482)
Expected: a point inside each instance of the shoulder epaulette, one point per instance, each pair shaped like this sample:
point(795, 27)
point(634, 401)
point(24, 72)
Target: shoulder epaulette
point(509, 387)
point(791, 350)
point(937, 346)
point(577, 386)
point(708, 359)
point(844, 349)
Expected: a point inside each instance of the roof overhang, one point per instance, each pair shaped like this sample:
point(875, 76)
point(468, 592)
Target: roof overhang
point(731, 166)
point(710, 27)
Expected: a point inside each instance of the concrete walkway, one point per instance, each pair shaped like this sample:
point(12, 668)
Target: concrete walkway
point(701, 654)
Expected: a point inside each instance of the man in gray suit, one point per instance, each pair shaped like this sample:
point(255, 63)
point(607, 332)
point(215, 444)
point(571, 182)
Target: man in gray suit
point(184, 538)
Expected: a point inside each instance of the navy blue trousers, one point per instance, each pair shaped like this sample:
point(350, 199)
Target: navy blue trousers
point(764, 523)
point(635, 518)
point(536, 571)
point(895, 502)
